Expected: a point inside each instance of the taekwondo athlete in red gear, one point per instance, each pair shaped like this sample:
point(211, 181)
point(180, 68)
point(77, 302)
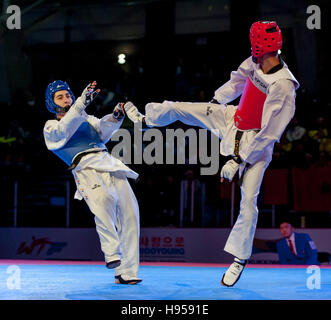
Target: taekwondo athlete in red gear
point(248, 131)
point(79, 140)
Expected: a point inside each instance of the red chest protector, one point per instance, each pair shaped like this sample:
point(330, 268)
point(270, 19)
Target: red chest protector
point(249, 113)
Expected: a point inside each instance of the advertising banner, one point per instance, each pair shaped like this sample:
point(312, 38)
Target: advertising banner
point(156, 244)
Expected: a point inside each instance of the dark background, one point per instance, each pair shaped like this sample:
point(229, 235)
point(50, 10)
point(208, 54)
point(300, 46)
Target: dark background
point(176, 50)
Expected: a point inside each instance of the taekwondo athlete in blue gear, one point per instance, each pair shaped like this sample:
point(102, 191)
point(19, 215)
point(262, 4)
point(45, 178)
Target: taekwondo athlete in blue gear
point(80, 141)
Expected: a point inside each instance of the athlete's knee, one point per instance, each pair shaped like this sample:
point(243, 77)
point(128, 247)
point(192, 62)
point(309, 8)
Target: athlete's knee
point(131, 216)
point(155, 106)
point(248, 218)
point(248, 205)
point(133, 221)
point(249, 198)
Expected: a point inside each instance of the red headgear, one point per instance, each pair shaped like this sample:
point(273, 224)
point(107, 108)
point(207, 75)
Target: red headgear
point(265, 36)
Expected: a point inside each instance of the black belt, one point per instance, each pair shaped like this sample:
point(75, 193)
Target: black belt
point(80, 156)
point(237, 141)
point(236, 153)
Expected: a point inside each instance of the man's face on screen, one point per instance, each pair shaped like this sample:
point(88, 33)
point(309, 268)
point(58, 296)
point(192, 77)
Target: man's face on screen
point(286, 229)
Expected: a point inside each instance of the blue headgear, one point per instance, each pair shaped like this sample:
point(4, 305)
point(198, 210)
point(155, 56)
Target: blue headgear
point(53, 87)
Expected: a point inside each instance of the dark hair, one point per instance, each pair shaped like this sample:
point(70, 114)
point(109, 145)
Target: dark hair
point(286, 221)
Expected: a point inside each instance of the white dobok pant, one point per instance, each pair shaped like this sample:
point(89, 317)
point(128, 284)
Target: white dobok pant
point(112, 201)
point(240, 240)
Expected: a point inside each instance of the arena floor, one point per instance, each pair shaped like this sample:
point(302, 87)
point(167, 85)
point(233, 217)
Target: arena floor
point(83, 280)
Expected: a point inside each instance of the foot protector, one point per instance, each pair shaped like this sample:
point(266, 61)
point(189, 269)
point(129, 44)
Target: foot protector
point(232, 275)
point(113, 264)
point(122, 280)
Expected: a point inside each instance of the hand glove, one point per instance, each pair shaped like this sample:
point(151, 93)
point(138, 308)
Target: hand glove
point(89, 93)
point(132, 112)
point(118, 112)
point(87, 96)
point(229, 170)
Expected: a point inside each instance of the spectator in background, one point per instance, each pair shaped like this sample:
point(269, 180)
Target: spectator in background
point(295, 248)
point(325, 146)
point(320, 132)
point(192, 194)
point(304, 152)
point(323, 136)
point(323, 161)
point(148, 196)
point(303, 144)
point(169, 198)
point(281, 155)
point(18, 138)
point(295, 131)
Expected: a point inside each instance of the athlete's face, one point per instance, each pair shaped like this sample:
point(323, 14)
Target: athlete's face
point(63, 100)
point(286, 229)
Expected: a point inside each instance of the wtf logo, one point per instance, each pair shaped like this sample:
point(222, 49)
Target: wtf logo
point(38, 245)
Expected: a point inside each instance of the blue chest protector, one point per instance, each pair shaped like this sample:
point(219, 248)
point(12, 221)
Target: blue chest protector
point(85, 138)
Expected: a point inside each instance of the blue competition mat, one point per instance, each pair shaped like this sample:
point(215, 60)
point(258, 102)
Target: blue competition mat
point(96, 282)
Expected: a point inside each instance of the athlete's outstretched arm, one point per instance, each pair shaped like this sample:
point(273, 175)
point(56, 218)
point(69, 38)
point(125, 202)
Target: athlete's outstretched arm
point(109, 124)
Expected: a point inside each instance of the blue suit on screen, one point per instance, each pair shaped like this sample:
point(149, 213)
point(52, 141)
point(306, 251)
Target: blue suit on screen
point(305, 248)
